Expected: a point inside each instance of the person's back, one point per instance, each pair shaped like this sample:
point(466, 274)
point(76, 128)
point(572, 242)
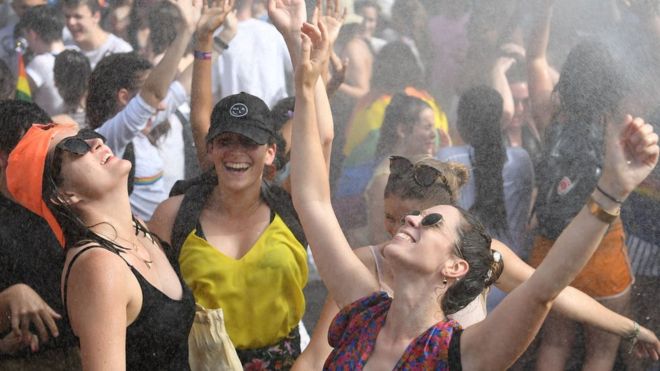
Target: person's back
point(256, 62)
point(30, 256)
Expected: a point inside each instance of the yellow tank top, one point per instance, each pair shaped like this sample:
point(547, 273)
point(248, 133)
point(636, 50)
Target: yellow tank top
point(261, 294)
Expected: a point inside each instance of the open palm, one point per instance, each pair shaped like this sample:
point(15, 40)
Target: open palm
point(287, 15)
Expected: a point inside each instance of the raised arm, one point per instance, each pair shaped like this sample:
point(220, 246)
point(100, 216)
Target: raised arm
point(631, 154)
point(201, 99)
point(539, 78)
point(155, 87)
point(345, 276)
point(573, 303)
point(501, 84)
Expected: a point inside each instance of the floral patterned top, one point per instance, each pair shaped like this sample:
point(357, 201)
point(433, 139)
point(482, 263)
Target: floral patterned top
point(354, 331)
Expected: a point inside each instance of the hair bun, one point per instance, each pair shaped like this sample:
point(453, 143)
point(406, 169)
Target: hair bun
point(496, 268)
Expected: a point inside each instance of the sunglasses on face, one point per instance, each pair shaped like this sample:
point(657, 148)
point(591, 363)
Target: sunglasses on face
point(423, 175)
point(432, 220)
point(77, 144)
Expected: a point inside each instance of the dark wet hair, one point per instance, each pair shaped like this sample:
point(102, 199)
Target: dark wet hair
point(395, 68)
point(590, 83)
point(45, 20)
point(479, 117)
point(405, 187)
point(163, 20)
point(114, 72)
point(71, 73)
point(281, 113)
point(474, 244)
point(16, 117)
point(7, 81)
point(403, 110)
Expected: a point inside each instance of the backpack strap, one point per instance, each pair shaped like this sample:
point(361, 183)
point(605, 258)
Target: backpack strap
point(279, 200)
point(188, 214)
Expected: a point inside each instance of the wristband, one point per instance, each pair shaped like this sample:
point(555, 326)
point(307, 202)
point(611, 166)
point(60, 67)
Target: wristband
point(632, 337)
point(221, 44)
point(609, 195)
point(202, 55)
point(597, 210)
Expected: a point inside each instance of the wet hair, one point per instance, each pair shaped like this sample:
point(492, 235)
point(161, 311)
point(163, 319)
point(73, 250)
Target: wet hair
point(93, 5)
point(281, 113)
point(405, 187)
point(45, 20)
point(403, 110)
point(113, 73)
point(71, 74)
point(395, 68)
point(7, 81)
point(16, 117)
point(162, 20)
point(590, 83)
point(474, 244)
point(479, 116)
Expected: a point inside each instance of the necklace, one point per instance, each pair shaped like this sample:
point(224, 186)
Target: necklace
point(133, 251)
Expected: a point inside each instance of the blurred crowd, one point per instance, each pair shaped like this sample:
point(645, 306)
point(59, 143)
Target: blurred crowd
point(504, 102)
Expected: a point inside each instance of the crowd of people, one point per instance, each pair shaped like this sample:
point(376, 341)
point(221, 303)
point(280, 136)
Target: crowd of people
point(475, 183)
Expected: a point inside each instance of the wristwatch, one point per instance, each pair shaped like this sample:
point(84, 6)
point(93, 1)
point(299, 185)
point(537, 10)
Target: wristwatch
point(603, 215)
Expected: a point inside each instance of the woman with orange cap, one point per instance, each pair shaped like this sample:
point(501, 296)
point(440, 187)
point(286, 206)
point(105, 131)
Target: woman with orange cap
point(126, 303)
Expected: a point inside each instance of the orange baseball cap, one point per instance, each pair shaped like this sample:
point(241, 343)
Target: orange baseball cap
point(25, 171)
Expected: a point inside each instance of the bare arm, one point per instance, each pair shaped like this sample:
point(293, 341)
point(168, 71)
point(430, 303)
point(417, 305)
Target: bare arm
point(345, 276)
point(156, 86)
point(358, 74)
point(501, 84)
point(517, 319)
point(201, 98)
point(97, 299)
point(376, 209)
point(539, 78)
point(162, 221)
point(571, 302)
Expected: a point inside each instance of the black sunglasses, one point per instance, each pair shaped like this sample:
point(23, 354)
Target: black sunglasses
point(430, 220)
point(78, 143)
point(424, 175)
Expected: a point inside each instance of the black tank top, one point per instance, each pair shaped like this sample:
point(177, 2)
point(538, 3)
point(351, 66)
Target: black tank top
point(158, 338)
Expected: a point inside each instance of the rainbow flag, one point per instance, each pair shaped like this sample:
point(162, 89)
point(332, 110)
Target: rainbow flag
point(22, 86)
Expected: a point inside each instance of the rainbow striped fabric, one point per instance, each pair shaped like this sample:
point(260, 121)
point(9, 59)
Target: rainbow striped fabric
point(22, 86)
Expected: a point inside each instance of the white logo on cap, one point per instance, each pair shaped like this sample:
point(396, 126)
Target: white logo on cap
point(238, 110)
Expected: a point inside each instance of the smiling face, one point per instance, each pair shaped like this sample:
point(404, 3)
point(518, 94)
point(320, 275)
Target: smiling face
point(421, 139)
point(82, 23)
point(238, 160)
point(90, 175)
point(426, 249)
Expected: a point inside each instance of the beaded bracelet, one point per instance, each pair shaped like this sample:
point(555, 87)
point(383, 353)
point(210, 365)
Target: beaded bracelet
point(632, 337)
point(198, 54)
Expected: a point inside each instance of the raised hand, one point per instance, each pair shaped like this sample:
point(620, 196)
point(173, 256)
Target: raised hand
point(213, 17)
point(191, 11)
point(314, 53)
point(339, 67)
point(287, 15)
point(333, 17)
point(24, 307)
point(631, 153)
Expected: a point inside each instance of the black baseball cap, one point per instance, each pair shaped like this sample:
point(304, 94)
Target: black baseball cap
point(242, 114)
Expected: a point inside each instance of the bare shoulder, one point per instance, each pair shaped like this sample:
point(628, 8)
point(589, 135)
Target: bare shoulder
point(163, 218)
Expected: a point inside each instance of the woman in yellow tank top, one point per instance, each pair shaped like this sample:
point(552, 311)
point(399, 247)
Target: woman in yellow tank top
point(242, 248)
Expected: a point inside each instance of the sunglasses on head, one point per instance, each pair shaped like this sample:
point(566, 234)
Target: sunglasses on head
point(424, 175)
point(77, 144)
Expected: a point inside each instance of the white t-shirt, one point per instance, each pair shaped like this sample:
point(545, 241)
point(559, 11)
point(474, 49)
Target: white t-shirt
point(170, 148)
point(126, 127)
point(256, 62)
point(111, 46)
point(45, 94)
